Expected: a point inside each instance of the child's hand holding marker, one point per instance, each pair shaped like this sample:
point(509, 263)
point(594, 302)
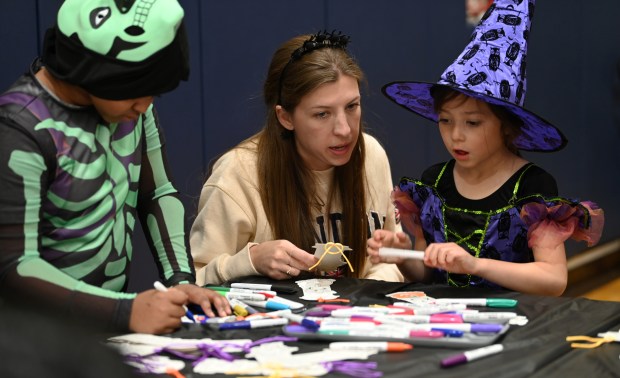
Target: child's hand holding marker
point(160, 287)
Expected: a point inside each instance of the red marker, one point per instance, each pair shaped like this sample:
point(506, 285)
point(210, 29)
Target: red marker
point(383, 346)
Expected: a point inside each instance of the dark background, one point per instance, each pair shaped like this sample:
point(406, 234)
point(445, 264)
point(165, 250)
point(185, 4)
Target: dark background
point(573, 81)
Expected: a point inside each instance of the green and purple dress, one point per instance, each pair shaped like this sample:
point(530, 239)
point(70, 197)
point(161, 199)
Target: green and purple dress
point(500, 226)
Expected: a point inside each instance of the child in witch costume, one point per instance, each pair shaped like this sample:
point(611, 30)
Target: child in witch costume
point(82, 157)
point(488, 217)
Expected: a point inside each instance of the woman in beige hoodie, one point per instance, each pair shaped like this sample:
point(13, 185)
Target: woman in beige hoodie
point(311, 175)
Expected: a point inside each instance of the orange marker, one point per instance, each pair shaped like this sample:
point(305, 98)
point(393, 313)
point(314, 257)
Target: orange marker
point(383, 346)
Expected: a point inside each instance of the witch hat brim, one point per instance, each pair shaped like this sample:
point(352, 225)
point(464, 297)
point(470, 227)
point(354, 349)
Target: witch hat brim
point(491, 68)
point(537, 134)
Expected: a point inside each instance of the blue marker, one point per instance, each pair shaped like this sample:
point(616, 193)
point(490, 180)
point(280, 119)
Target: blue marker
point(268, 304)
point(160, 287)
point(448, 332)
point(463, 327)
point(308, 323)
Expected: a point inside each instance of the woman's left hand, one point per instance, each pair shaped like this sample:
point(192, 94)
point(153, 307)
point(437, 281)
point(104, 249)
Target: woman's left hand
point(280, 259)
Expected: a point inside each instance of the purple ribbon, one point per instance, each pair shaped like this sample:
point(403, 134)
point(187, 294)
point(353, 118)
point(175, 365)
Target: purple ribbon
point(354, 369)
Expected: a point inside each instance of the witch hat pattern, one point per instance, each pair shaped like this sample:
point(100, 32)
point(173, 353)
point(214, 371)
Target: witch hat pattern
point(490, 68)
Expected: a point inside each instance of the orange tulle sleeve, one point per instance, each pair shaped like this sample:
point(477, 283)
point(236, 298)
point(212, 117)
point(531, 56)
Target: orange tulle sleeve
point(408, 213)
point(553, 223)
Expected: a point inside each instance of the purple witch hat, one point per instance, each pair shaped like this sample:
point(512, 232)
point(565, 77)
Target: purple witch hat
point(492, 69)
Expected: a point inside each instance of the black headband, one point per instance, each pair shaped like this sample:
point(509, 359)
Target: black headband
point(316, 41)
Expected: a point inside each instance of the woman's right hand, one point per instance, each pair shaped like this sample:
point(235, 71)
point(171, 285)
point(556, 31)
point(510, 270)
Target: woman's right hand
point(390, 239)
point(280, 259)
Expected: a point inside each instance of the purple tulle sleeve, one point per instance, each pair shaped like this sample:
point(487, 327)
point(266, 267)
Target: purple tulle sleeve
point(554, 222)
point(408, 213)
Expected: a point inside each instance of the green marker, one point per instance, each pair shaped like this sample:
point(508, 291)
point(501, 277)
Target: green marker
point(223, 290)
point(487, 302)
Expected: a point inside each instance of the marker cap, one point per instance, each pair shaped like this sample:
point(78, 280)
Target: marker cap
point(454, 360)
point(271, 305)
point(446, 318)
point(449, 332)
point(493, 328)
point(501, 302)
point(244, 324)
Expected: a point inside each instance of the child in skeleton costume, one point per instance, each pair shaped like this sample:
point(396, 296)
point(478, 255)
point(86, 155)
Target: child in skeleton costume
point(488, 217)
point(82, 156)
point(310, 178)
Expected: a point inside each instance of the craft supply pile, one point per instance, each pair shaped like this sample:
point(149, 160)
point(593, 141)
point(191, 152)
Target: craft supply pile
point(348, 333)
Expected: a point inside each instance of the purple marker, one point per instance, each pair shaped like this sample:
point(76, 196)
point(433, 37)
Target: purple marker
point(463, 327)
point(471, 355)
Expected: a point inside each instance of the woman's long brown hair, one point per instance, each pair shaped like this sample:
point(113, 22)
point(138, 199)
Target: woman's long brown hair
point(286, 186)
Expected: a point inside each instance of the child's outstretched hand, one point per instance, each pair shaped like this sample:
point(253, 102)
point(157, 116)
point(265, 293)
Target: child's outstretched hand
point(385, 238)
point(450, 257)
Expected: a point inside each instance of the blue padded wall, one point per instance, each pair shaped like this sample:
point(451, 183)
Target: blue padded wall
point(574, 52)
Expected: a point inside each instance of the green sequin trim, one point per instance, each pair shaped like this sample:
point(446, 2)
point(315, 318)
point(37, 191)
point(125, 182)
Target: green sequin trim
point(464, 240)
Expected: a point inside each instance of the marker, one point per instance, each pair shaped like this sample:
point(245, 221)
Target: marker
point(160, 287)
point(384, 346)
point(443, 331)
point(398, 334)
point(364, 311)
point(433, 318)
point(240, 308)
point(348, 321)
point(463, 327)
point(237, 308)
point(245, 296)
point(318, 313)
point(310, 324)
point(277, 288)
point(269, 304)
point(222, 319)
point(488, 317)
point(403, 253)
point(258, 323)
point(291, 304)
point(488, 302)
point(471, 355)
point(267, 293)
point(430, 310)
point(348, 326)
point(332, 306)
point(433, 334)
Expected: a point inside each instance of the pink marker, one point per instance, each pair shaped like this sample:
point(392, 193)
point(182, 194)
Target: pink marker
point(434, 318)
point(426, 334)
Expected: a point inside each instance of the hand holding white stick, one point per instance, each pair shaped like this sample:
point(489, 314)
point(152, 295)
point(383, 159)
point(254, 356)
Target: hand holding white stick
point(402, 253)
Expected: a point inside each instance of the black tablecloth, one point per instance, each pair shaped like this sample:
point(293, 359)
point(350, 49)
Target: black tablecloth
point(537, 349)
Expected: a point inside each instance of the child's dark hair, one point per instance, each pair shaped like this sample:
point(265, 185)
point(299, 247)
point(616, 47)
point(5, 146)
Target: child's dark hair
point(511, 124)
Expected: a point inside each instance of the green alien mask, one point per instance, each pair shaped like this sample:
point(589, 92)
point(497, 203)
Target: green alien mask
point(119, 49)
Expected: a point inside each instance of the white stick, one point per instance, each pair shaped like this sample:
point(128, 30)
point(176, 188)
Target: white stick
point(404, 253)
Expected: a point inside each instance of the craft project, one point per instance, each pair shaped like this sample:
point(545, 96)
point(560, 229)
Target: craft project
point(330, 256)
point(264, 357)
point(317, 289)
point(587, 342)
